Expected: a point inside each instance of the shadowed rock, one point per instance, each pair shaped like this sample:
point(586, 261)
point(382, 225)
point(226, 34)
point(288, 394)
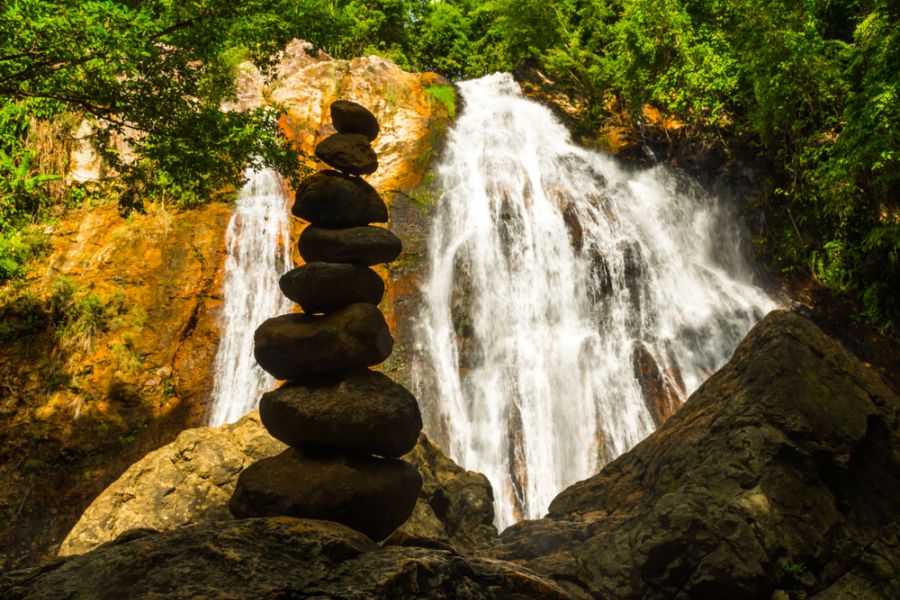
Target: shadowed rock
point(780, 475)
point(272, 558)
point(361, 411)
point(372, 495)
point(332, 199)
point(350, 117)
point(349, 153)
point(326, 287)
point(296, 345)
point(360, 245)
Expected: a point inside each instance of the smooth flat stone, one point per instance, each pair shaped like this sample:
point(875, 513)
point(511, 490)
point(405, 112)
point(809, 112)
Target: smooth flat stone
point(372, 495)
point(348, 153)
point(360, 245)
point(359, 410)
point(296, 345)
point(350, 117)
point(332, 199)
point(320, 287)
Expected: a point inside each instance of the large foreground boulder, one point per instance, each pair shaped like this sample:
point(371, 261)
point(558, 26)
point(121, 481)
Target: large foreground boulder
point(782, 472)
point(189, 482)
point(269, 559)
point(297, 345)
point(360, 410)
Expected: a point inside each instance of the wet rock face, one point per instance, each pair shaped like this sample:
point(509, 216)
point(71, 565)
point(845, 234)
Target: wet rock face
point(350, 117)
point(372, 495)
point(332, 199)
point(349, 153)
point(296, 345)
point(327, 287)
point(357, 245)
point(661, 391)
point(362, 410)
point(781, 472)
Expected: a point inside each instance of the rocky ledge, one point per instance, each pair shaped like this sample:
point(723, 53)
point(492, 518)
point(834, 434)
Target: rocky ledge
point(779, 478)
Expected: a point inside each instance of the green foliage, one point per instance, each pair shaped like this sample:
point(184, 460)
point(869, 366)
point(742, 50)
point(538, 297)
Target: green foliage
point(446, 95)
point(155, 75)
point(17, 248)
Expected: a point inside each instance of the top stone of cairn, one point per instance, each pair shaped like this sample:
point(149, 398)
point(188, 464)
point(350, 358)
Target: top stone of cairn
point(350, 117)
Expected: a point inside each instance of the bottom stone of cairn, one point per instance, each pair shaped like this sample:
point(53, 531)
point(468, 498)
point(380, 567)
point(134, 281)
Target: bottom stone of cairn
point(372, 495)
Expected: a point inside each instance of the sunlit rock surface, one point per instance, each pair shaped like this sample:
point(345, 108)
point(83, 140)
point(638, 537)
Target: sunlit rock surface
point(189, 482)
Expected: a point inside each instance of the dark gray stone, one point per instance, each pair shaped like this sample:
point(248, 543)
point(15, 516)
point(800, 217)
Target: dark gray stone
point(350, 117)
point(332, 199)
point(327, 287)
point(359, 245)
point(372, 495)
point(348, 153)
point(359, 410)
point(297, 345)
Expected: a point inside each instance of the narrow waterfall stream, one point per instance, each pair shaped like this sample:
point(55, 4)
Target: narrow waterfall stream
point(553, 273)
point(259, 252)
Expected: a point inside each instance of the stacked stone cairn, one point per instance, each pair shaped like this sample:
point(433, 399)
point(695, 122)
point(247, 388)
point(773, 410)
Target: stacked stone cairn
point(345, 424)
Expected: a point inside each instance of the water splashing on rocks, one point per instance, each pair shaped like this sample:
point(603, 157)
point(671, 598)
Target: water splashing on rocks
point(571, 305)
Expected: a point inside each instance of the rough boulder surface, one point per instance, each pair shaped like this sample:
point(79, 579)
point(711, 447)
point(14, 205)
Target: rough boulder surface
point(327, 287)
point(361, 411)
point(296, 345)
point(189, 482)
point(268, 559)
point(372, 495)
point(778, 478)
point(349, 153)
point(350, 117)
point(332, 199)
point(359, 245)
point(782, 472)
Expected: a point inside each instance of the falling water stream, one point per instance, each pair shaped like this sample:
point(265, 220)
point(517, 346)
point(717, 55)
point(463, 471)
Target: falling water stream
point(550, 267)
point(258, 252)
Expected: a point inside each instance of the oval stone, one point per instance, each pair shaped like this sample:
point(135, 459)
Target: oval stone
point(350, 117)
point(372, 495)
point(360, 245)
point(327, 287)
point(296, 345)
point(359, 410)
point(348, 153)
point(332, 199)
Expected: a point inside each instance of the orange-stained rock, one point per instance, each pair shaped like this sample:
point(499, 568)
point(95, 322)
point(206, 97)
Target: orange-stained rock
point(78, 404)
point(106, 352)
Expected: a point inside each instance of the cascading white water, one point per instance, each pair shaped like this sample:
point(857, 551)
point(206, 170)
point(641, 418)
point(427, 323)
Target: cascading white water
point(550, 265)
point(259, 252)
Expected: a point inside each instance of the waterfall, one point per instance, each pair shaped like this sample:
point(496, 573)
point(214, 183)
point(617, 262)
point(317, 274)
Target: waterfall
point(551, 269)
point(258, 243)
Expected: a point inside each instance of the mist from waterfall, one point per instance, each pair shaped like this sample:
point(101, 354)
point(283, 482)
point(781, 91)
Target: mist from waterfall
point(550, 267)
point(258, 252)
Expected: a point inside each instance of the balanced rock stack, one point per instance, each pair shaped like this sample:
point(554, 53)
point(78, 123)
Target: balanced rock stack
point(346, 424)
